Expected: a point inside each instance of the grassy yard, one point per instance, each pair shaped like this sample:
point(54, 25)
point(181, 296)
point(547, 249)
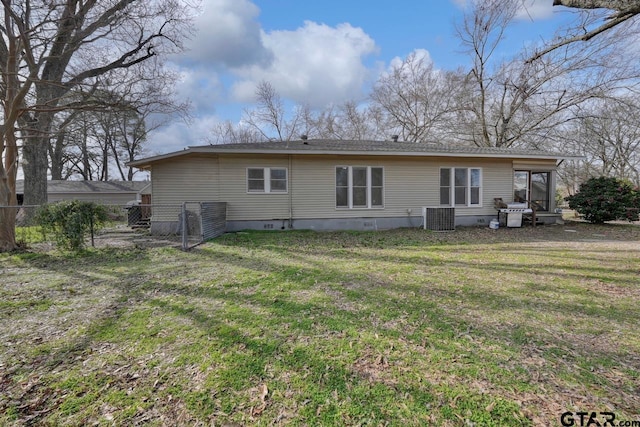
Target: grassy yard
point(406, 327)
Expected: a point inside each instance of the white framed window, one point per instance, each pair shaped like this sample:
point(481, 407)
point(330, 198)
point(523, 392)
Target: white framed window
point(461, 186)
point(267, 180)
point(359, 187)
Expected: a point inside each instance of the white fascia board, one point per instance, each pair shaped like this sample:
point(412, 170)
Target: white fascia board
point(143, 163)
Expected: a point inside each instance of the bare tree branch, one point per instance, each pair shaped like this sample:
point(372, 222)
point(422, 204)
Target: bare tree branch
point(626, 10)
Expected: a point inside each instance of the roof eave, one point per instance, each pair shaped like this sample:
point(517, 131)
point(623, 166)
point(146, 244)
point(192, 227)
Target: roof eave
point(146, 163)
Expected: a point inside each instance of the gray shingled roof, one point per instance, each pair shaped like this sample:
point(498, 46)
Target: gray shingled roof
point(66, 187)
point(349, 147)
point(366, 146)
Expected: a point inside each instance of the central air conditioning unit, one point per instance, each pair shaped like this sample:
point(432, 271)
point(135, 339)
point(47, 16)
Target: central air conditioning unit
point(439, 218)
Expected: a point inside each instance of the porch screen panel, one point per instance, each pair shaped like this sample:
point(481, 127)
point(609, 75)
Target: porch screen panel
point(540, 190)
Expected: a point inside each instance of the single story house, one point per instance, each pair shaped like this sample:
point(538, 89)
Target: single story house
point(356, 185)
point(105, 192)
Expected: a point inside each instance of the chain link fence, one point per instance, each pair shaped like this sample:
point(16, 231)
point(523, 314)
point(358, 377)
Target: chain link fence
point(183, 225)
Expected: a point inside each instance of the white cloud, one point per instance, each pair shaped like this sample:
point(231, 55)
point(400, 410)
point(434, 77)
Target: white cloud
point(228, 34)
point(201, 87)
point(178, 135)
point(421, 55)
point(536, 9)
point(529, 9)
point(315, 64)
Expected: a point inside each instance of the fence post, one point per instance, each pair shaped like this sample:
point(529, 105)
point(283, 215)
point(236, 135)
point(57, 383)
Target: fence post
point(185, 231)
point(202, 223)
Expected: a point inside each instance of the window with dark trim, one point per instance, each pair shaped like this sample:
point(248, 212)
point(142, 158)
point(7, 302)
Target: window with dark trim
point(532, 188)
point(267, 180)
point(359, 187)
point(461, 186)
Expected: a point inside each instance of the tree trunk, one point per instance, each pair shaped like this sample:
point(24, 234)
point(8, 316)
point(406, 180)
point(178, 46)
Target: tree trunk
point(7, 227)
point(35, 164)
point(8, 199)
point(56, 152)
point(7, 213)
point(35, 167)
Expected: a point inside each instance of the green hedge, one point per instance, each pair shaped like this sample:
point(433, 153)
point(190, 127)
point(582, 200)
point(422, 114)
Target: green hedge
point(606, 199)
point(71, 221)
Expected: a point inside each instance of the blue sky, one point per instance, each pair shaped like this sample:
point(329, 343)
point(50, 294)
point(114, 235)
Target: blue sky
point(317, 52)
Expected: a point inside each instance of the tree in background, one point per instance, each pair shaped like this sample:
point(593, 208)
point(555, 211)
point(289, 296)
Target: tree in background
point(50, 49)
point(498, 102)
point(607, 134)
point(271, 120)
point(270, 116)
point(525, 102)
point(96, 143)
point(416, 100)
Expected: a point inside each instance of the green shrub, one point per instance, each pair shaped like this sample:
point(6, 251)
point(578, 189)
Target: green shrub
point(605, 199)
point(71, 221)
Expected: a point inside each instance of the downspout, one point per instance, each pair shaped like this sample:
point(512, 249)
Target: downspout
point(290, 188)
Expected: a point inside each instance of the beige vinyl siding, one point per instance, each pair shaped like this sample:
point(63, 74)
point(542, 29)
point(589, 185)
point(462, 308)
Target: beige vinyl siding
point(179, 180)
point(409, 183)
point(244, 205)
point(314, 184)
point(534, 165)
point(189, 179)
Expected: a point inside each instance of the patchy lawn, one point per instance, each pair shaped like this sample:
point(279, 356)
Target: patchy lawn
point(405, 327)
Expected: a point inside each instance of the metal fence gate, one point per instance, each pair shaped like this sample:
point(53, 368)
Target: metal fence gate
point(201, 221)
point(188, 224)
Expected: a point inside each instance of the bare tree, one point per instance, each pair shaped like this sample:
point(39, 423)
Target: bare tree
point(609, 138)
point(229, 133)
point(345, 121)
point(415, 98)
point(481, 32)
point(133, 134)
point(358, 122)
point(269, 118)
point(48, 49)
point(97, 144)
point(515, 102)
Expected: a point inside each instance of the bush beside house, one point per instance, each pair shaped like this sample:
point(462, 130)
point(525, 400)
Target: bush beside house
point(606, 199)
